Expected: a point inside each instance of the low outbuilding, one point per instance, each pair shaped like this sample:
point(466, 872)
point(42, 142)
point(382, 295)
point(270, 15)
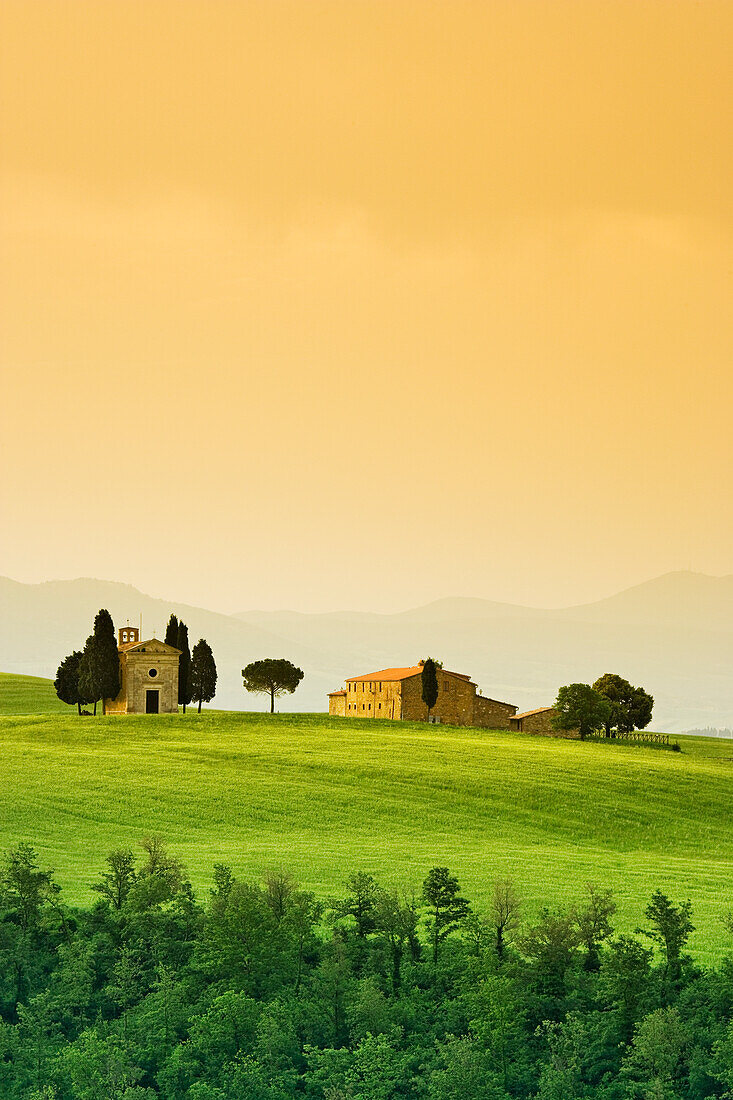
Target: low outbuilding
point(539, 721)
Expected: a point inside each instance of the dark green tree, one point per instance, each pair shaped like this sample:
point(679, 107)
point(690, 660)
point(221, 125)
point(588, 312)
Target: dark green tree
point(625, 984)
point(26, 888)
point(724, 1059)
point(463, 1072)
point(441, 892)
point(171, 632)
point(67, 680)
point(203, 673)
point(107, 655)
point(98, 1065)
point(561, 1076)
point(429, 684)
point(580, 708)
point(617, 692)
point(31, 915)
point(160, 878)
point(116, 883)
point(89, 675)
point(271, 676)
point(653, 1062)
point(184, 666)
point(99, 667)
point(551, 943)
point(593, 919)
point(671, 926)
point(397, 921)
point(360, 903)
point(640, 710)
point(504, 912)
point(629, 707)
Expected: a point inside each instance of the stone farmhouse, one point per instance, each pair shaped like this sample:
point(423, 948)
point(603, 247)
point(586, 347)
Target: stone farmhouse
point(148, 676)
point(397, 693)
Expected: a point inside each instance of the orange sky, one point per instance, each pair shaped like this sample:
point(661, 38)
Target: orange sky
point(358, 304)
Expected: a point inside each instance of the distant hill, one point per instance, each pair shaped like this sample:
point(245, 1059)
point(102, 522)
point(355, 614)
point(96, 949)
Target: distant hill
point(29, 695)
point(673, 635)
point(692, 601)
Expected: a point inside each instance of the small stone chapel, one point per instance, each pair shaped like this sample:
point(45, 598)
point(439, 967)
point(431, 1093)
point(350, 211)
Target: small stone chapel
point(148, 675)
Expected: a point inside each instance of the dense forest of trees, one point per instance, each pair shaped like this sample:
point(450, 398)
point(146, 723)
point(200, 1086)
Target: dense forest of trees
point(261, 992)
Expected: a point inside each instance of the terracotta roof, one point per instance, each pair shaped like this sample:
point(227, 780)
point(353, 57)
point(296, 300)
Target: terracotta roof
point(400, 674)
point(527, 713)
point(499, 702)
point(127, 646)
point(337, 693)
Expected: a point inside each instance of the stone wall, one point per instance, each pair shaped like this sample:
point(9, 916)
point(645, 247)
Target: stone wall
point(491, 714)
point(455, 704)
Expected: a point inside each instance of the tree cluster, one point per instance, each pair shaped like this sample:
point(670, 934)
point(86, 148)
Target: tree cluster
point(263, 992)
point(91, 675)
point(611, 706)
point(197, 673)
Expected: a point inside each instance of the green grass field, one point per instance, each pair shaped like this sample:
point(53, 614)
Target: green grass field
point(29, 695)
point(325, 797)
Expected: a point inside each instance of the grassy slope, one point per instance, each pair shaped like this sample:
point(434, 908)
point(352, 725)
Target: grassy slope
point(28, 695)
point(326, 797)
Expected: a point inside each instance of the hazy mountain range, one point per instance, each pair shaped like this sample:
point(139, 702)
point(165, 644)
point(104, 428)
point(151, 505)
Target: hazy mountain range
point(672, 635)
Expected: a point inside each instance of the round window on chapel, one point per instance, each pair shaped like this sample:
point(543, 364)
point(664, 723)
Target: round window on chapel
point(152, 672)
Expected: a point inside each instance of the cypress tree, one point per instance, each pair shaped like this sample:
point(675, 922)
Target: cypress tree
point(108, 656)
point(67, 680)
point(184, 666)
point(171, 632)
point(89, 681)
point(429, 684)
point(99, 667)
point(203, 673)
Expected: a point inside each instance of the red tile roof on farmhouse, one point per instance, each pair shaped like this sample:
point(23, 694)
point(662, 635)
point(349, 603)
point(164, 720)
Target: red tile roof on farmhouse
point(527, 713)
point(337, 693)
point(400, 674)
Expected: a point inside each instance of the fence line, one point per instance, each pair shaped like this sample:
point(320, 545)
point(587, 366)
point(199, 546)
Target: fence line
point(638, 735)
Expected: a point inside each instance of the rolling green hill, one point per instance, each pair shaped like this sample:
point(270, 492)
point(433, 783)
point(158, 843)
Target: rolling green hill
point(28, 695)
point(326, 797)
